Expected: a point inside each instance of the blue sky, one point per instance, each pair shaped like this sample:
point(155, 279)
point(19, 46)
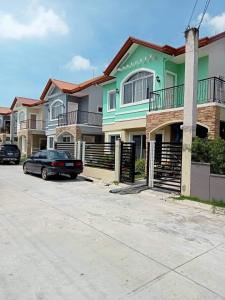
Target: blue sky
point(70, 39)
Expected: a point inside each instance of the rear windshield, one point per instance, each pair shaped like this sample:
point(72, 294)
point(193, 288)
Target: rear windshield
point(10, 147)
point(59, 155)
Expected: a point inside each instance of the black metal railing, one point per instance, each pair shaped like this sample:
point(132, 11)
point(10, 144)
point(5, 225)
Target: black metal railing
point(32, 124)
point(209, 90)
point(100, 155)
point(80, 117)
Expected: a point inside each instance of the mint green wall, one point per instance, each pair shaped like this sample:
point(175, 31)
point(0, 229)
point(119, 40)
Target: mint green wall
point(159, 63)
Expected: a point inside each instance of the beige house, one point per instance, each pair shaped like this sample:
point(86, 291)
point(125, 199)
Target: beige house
point(28, 125)
point(4, 124)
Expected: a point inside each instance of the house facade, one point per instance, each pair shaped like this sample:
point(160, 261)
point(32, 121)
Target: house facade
point(73, 111)
point(28, 125)
point(143, 99)
point(4, 124)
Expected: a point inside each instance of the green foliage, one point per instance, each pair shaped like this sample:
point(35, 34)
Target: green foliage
point(140, 167)
point(196, 199)
point(210, 151)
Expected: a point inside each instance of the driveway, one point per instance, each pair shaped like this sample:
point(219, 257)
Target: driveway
point(74, 240)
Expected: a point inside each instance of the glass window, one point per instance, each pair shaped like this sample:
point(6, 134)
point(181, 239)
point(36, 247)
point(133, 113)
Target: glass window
point(112, 100)
point(113, 138)
point(51, 142)
point(137, 87)
point(21, 116)
point(56, 109)
point(66, 139)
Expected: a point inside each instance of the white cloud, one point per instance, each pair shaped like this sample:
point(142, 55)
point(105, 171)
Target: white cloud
point(38, 22)
point(80, 63)
point(214, 24)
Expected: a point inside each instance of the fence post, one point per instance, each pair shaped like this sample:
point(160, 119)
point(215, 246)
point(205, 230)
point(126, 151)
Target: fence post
point(117, 159)
point(79, 150)
point(83, 153)
point(75, 150)
point(151, 159)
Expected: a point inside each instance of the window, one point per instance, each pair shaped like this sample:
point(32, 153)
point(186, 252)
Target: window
point(99, 109)
point(50, 142)
point(66, 139)
point(137, 87)
point(21, 116)
point(112, 100)
point(114, 138)
point(56, 109)
point(59, 155)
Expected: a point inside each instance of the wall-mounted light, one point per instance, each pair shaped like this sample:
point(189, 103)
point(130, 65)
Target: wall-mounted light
point(117, 91)
point(158, 79)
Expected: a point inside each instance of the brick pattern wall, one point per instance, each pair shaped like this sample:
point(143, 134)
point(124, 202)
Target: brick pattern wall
point(208, 116)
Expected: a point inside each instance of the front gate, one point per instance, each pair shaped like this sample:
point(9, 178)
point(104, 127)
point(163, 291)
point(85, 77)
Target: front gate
point(69, 147)
point(127, 162)
point(167, 166)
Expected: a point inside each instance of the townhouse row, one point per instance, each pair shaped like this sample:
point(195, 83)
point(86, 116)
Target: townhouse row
point(139, 97)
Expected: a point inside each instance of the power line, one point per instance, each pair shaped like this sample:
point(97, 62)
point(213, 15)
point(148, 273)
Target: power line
point(192, 13)
point(204, 12)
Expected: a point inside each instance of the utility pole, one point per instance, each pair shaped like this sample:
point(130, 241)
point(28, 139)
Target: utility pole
point(190, 105)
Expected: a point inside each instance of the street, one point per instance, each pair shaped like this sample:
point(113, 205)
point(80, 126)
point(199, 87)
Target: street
point(72, 239)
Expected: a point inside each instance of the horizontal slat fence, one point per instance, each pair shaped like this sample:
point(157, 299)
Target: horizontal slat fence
point(100, 155)
point(69, 147)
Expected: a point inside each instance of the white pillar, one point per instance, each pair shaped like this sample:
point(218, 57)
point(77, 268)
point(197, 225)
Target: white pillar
point(190, 105)
point(83, 153)
point(151, 159)
point(117, 159)
point(79, 150)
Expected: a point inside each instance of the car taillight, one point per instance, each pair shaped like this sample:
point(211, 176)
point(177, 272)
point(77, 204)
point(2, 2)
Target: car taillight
point(57, 164)
point(78, 164)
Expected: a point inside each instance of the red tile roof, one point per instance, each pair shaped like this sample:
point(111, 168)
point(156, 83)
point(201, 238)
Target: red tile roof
point(5, 111)
point(165, 49)
point(23, 101)
point(70, 88)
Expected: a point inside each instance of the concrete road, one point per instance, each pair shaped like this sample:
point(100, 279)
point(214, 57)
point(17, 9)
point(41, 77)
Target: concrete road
point(74, 240)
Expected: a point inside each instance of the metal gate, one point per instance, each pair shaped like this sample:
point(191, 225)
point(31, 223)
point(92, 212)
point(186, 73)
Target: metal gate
point(127, 162)
point(69, 147)
point(167, 166)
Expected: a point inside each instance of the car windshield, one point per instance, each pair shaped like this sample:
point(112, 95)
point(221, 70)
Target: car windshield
point(59, 155)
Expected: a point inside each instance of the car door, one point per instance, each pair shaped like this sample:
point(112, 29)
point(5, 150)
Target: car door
point(32, 163)
point(41, 161)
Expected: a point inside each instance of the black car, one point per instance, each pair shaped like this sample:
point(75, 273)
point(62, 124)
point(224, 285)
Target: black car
point(9, 153)
point(49, 163)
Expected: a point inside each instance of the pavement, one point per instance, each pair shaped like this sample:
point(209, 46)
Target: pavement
point(72, 239)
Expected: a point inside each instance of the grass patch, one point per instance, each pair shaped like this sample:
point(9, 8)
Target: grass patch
point(196, 199)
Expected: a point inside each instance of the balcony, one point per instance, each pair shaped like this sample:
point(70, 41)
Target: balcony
point(80, 117)
point(32, 124)
point(209, 90)
point(5, 130)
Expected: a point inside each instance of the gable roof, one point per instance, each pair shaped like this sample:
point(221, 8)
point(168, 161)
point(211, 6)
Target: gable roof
point(5, 111)
point(164, 49)
point(24, 101)
point(70, 88)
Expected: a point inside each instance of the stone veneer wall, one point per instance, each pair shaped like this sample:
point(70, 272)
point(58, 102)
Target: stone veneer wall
point(73, 130)
point(208, 116)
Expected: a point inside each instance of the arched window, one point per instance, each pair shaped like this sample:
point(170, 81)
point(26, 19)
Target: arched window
point(56, 109)
point(21, 116)
point(137, 87)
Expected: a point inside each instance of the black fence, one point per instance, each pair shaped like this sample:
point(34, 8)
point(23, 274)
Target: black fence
point(127, 162)
point(167, 166)
point(100, 155)
point(69, 147)
point(80, 117)
point(208, 90)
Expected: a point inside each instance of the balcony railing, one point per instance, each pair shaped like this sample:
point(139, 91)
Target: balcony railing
point(80, 117)
point(5, 130)
point(32, 124)
point(209, 90)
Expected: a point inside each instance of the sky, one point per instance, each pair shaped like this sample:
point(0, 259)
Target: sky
point(71, 40)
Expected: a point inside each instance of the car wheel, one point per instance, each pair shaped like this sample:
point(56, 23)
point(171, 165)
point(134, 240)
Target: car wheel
point(25, 169)
point(44, 174)
point(73, 176)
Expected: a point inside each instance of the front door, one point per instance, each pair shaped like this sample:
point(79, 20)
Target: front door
point(33, 121)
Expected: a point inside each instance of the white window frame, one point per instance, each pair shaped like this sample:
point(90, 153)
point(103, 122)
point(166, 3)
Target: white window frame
point(51, 105)
point(108, 100)
point(66, 136)
point(22, 111)
point(124, 82)
point(48, 142)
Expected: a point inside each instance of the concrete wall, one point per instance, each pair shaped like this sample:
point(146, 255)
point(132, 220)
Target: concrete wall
point(206, 186)
point(105, 175)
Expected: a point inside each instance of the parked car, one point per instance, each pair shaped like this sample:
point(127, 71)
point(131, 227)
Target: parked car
point(10, 153)
point(49, 163)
